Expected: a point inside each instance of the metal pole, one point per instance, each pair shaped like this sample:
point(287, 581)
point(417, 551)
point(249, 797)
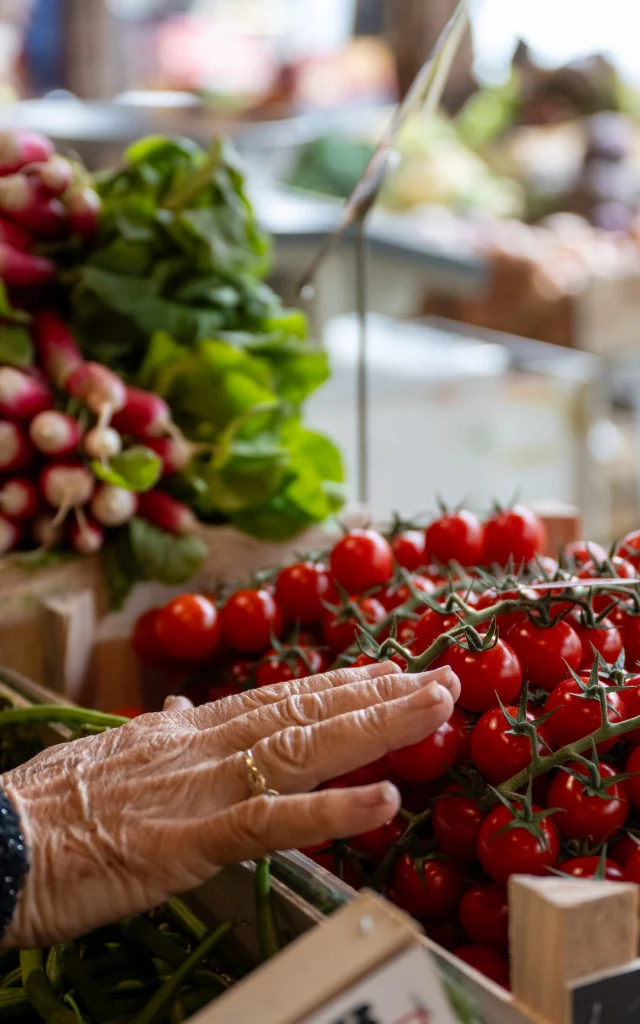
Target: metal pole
point(362, 387)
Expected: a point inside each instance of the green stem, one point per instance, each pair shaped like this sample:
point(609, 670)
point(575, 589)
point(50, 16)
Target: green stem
point(12, 978)
point(41, 995)
point(97, 1003)
point(152, 939)
point(267, 931)
point(13, 1002)
point(377, 879)
point(53, 970)
point(185, 917)
point(159, 1005)
point(60, 714)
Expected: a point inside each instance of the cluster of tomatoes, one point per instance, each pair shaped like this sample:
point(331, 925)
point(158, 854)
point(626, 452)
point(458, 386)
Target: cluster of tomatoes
point(533, 678)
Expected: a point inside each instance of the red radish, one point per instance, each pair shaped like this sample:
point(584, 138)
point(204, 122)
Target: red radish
point(53, 177)
point(83, 207)
point(47, 531)
point(176, 452)
point(57, 350)
point(99, 388)
point(11, 234)
point(22, 397)
point(19, 498)
point(21, 200)
point(102, 443)
point(113, 506)
point(19, 269)
point(10, 533)
point(16, 450)
point(167, 513)
point(66, 485)
point(143, 415)
point(55, 433)
point(19, 147)
point(86, 536)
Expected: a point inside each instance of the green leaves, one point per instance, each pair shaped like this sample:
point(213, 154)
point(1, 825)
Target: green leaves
point(16, 348)
point(136, 469)
point(141, 551)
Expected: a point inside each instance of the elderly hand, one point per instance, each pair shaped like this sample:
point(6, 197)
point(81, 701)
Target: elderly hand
point(116, 823)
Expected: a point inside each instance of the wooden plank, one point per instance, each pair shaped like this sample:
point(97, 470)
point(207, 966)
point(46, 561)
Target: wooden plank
point(67, 637)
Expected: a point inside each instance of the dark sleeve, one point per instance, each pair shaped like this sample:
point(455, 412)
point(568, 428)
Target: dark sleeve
point(13, 861)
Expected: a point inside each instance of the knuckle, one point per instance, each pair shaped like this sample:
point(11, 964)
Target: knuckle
point(303, 709)
point(371, 721)
point(292, 748)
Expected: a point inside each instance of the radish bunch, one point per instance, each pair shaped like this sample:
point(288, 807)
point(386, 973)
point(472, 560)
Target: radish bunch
point(49, 492)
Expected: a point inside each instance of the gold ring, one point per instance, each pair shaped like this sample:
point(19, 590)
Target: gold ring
point(255, 779)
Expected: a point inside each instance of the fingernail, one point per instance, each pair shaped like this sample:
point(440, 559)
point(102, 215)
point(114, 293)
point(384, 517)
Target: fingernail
point(384, 793)
point(431, 692)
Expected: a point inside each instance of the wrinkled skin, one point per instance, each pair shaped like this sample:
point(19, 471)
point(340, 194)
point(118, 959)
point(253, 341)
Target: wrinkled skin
point(118, 822)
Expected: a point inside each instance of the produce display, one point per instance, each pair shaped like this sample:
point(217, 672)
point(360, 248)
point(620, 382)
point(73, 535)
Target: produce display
point(150, 379)
point(535, 772)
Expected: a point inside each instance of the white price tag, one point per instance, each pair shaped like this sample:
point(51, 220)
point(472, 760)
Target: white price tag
point(407, 990)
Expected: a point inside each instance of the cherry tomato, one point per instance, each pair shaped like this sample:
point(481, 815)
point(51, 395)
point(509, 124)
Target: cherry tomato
point(379, 841)
point(362, 559)
point(629, 626)
point(583, 816)
point(302, 588)
point(240, 672)
point(445, 933)
point(484, 915)
point(516, 533)
point(223, 690)
point(249, 619)
point(631, 872)
point(623, 849)
point(487, 961)
point(576, 715)
point(145, 639)
point(582, 551)
point(484, 675)
point(430, 626)
point(492, 597)
point(377, 771)
point(545, 653)
point(397, 594)
point(429, 758)
point(605, 638)
point(586, 867)
point(188, 627)
point(629, 548)
point(517, 851)
point(633, 784)
point(455, 537)
point(365, 659)
point(497, 751)
point(621, 568)
point(409, 549)
point(406, 633)
point(129, 712)
point(432, 887)
point(338, 635)
point(456, 823)
point(462, 723)
point(630, 698)
point(275, 669)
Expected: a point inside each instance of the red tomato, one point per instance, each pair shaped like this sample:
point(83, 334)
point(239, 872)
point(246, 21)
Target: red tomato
point(586, 867)
point(623, 849)
point(430, 626)
point(630, 698)
point(377, 771)
point(629, 626)
point(482, 676)
point(302, 588)
point(605, 638)
point(362, 559)
point(545, 653)
point(585, 816)
point(487, 961)
point(145, 639)
point(444, 933)
point(578, 715)
point(223, 690)
point(462, 723)
point(129, 712)
point(493, 597)
point(456, 823)
point(497, 751)
point(274, 669)
point(409, 549)
point(429, 888)
point(380, 840)
point(484, 915)
point(338, 635)
point(631, 871)
point(429, 758)
point(364, 659)
point(581, 551)
point(249, 619)
point(455, 537)
point(621, 568)
point(517, 851)
point(240, 672)
point(188, 627)
point(515, 533)
point(629, 548)
point(633, 784)
point(406, 633)
point(398, 594)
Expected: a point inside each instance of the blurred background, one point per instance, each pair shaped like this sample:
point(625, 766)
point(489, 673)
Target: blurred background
point(503, 255)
